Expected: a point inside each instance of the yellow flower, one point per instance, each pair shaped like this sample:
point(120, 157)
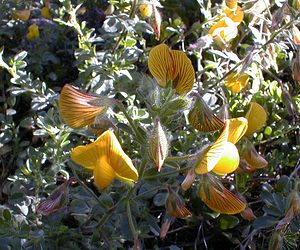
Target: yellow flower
point(76, 108)
point(224, 31)
point(256, 117)
point(165, 65)
point(33, 32)
point(202, 118)
point(145, 10)
point(252, 157)
point(231, 4)
point(220, 199)
point(236, 82)
point(223, 154)
point(175, 205)
point(107, 160)
point(21, 14)
point(46, 12)
point(236, 14)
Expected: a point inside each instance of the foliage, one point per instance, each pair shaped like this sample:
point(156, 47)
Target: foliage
point(49, 201)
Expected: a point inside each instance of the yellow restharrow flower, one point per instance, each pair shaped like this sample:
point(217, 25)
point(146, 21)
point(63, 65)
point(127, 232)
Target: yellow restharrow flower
point(220, 199)
point(45, 11)
point(33, 32)
point(76, 109)
point(235, 14)
point(257, 117)
point(236, 82)
point(107, 159)
point(224, 31)
point(222, 157)
point(165, 65)
point(145, 10)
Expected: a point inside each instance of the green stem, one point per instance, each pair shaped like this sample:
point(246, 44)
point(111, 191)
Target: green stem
point(166, 173)
point(131, 122)
point(180, 158)
point(130, 221)
point(143, 165)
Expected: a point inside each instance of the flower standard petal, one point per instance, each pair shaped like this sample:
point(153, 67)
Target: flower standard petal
point(202, 118)
point(183, 72)
point(256, 117)
point(236, 15)
point(160, 64)
point(87, 156)
point(75, 109)
point(236, 82)
point(220, 199)
point(237, 128)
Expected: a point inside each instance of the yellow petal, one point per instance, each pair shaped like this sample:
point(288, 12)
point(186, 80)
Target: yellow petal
point(145, 10)
point(221, 201)
point(160, 64)
point(183, 72)
point(75, 109)
point(256, 117)
point(45, 11)
point(229, 160)
point(232, 4)
point(236, 82)
point(236, 15)
point(103, 173)
point(109, 145)
point(225, 29)
point(202, 118)
point(87, 156)
point(253, 158)
point(210, 158)
point(237, 128)
point(33, 32)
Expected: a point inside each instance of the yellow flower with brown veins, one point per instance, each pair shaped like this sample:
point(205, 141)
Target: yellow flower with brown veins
point(106, 158)
point(222, 157)
point(220, 199)
point(257, 117)
point(77, 108)
point(33, 32)
point(171, 65)
point(236, 81)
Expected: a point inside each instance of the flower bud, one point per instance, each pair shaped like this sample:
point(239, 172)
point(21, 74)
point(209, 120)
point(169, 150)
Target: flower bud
point(110, 10)
point(158, 145)
point(236, 81)
point(165, 226)
point(276, 241)
point(57, 200)
point(175, 206)
point(155, 21)
point(188, 180)
point(248, 214)
point(294, 201)
point(252, 157)
point(296, 67)
point(296, 35)
point(202, 118)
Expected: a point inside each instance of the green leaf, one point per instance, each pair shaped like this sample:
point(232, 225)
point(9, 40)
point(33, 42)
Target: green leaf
point(265, 222)
point(227, 221)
